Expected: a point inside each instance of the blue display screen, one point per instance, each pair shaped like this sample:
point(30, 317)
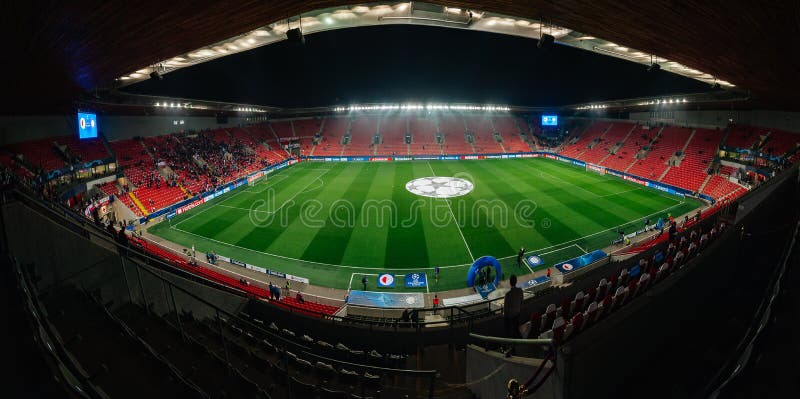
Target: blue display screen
point(549, 120)
point(87, 125)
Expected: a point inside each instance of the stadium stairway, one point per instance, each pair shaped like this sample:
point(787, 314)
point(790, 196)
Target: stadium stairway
point(703, 185)
point(138, 204)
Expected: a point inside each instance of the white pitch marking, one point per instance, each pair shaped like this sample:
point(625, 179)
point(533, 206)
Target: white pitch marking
point(454, 218)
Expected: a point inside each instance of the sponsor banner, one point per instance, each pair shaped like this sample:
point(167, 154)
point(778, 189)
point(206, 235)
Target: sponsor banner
point(596, 168)
point(578, 163)
point(402, 158)
point(634, 179)
point(493, 156)
point(297, 278)
point(238, 262)
point(390, 300)
point(171, 215)
point(416, 280)
point(579, 262)
point(536, 281)
point(223, 258)
point(101, 203)
point(613, 172)
point(472, 157)
point(380, 159)
point(386, 280)
point(256, 268)
point(449, 158)
point(534, 260)
point(225, 190)
point(277, 274)
point(424, 158)
point(189, 206)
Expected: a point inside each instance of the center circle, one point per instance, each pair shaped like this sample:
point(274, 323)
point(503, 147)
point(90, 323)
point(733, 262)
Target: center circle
point(440, 187)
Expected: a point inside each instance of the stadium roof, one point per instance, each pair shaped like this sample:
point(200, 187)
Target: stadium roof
point(68, 48)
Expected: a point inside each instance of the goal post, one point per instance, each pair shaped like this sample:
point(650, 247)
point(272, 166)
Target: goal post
point(595, 168)
point(257, 178)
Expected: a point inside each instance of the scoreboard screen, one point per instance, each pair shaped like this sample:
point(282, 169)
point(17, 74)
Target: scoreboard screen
point(549, 120)
point(87, 125)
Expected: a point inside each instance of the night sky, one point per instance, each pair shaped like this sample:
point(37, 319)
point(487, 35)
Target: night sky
point(413, 63)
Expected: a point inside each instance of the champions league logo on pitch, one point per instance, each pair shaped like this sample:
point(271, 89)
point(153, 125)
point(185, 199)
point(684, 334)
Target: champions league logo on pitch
point(534, 260)
point(440, 187)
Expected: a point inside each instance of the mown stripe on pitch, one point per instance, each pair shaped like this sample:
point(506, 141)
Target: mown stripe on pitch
point(593, 210)
point(605, 210)
point(329, 242)
point(260, 231)
point(296, 232)
point(442, 237)
point(483, 238)
point(367, 244)
point(406, 246)
point(557, 231)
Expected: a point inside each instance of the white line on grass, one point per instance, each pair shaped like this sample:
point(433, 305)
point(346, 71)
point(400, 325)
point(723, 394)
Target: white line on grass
point(267, 183)
point(596, 233)
point(621, 192)
point(211, 206)
point(579, 247)
point(454, 218)
point(301, 191)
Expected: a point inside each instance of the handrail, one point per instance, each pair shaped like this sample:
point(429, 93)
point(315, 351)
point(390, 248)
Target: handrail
point(517, 341)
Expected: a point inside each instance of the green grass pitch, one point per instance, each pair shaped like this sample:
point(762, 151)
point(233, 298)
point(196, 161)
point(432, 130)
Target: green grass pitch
point(332, 222)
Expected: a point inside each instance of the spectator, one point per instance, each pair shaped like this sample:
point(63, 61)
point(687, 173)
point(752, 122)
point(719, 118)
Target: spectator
point(299, 298)
point(703, 239)
point(670, 248)
point(271, 291)
point(435, 302)
point(405, 317)
point(511, 308)
point(679, 258)
point(436, 274)
point(364, 281)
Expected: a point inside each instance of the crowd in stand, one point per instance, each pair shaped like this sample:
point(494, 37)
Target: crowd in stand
point(573, 314)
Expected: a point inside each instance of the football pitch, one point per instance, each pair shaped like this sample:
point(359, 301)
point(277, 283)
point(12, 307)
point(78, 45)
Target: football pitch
point(333, 222)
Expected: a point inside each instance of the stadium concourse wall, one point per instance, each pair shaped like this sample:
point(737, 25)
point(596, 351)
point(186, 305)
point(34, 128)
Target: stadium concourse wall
point(789, 121)
point(15, 129)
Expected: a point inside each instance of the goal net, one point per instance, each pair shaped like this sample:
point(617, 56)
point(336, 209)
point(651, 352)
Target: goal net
point(256, 179)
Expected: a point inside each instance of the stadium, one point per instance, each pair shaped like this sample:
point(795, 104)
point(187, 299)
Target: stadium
point(400, 200)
